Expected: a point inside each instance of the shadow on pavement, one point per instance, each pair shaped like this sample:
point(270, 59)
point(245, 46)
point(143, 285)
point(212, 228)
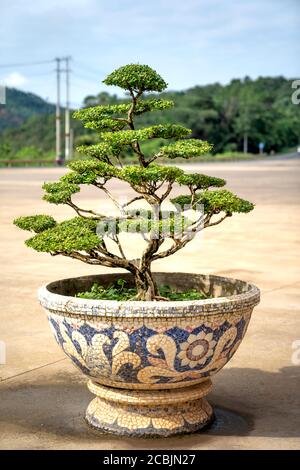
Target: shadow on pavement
point(247, 402)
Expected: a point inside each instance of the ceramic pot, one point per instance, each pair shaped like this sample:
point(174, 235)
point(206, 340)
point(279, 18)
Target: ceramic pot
point(149, 363)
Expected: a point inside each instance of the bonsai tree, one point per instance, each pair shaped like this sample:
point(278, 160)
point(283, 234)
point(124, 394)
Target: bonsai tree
point(85, 236)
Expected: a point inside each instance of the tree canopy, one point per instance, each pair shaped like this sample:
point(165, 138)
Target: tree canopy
point(260, 110)
point(85, 236)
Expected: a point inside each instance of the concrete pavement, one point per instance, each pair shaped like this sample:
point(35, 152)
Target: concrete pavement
point(43, 397)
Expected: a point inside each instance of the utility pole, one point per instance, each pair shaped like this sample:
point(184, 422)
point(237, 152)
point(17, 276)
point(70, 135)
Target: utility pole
point(71, 142)
point(68, 147)
point(58, 117)
point(245, 143)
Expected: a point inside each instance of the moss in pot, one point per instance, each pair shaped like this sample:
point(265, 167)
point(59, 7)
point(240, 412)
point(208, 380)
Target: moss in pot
point(148, 355)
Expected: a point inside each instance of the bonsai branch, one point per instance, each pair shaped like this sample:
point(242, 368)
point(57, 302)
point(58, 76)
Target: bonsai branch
point(111, 197)
point(193, 194)
point(116, 239)
point(137, 198)
point(79, 211)
point(217, 222)
point(177, 245)
point(135, 146)
point(167, 192)
point(155, 157)
point(92, 257)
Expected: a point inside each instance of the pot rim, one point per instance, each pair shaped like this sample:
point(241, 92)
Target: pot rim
point(69, 305)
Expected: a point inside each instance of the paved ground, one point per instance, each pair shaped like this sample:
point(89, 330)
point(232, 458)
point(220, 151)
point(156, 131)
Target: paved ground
point(43, 397)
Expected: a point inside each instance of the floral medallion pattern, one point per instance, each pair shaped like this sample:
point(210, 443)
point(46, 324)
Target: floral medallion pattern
point(197, 349)
point(144, 355)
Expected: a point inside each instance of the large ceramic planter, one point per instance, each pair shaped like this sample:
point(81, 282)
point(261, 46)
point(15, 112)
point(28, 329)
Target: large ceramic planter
point(150, 363)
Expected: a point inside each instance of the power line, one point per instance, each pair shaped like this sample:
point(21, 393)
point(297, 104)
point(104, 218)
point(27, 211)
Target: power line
point(26, 64)
point(68, 131)
point(88, 75)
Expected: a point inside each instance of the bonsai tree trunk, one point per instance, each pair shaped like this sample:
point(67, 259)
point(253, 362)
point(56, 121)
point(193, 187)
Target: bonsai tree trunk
point(145, 284)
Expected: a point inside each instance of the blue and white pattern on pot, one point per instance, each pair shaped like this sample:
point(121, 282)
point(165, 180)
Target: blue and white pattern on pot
point(146, 355)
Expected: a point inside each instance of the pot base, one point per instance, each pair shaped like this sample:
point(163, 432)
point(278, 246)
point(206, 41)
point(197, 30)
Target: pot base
point(146, 413)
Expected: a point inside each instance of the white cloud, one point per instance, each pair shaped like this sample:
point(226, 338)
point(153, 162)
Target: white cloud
point(14, 79)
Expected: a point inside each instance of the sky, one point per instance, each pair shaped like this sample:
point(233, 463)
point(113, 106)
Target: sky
point(189, 42)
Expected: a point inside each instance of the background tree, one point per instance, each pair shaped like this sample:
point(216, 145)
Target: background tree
point(217, 113)
point(248, 107)
point(152, 183)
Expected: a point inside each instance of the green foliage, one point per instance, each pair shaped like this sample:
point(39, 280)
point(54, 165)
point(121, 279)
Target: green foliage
point(59, 192)
point(35, 223)
point(168, 224)
point(186, 149)
point(171, 224)
point(99, 112)
point(184, 201)
point(112, 292)
point(81, 236)
point(87, 177)
point(231, 147)
point(223, 200)
point(98, 168)
point(76, 234)
point(102, 98)
point(85, 140)
point(136, 77)
point(200, 181)
point(30, 153)
point(151, 147)
point(153, 173)
point(140, 212)
point(20, 107)
point(84, 172)
point(216, 201)
point(5, 150)
point(105, 124)
point(102, 117)
point(118, 291)
point(153, 104)
point(173, 294)
point(168, 131)
point(215, 113)
point(37, 131)
point(102, 151)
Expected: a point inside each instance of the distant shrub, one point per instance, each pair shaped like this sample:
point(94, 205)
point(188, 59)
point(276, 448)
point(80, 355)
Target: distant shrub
point(29, 153)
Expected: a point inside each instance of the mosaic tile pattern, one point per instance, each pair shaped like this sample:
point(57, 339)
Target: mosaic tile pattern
point(159, 355)
point(142, 346)
point(143, 414)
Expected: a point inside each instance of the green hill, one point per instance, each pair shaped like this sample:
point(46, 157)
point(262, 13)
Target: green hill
point(258, 110)
point(20, 106)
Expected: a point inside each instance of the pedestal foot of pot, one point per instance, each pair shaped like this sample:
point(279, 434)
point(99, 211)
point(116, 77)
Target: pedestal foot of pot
point(149, 413)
